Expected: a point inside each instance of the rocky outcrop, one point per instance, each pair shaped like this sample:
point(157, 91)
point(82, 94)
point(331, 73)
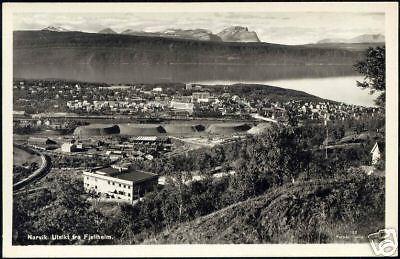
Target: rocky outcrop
point(196, 34)
point(238, 34)
point(55, 28)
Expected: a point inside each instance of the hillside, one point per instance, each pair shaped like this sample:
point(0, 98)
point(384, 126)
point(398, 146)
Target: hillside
point(304, 212)
point(69, 48)
point(256, 91)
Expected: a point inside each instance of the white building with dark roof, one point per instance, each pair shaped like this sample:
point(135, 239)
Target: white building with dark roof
point(376, 152)
point(120, 183)
point(68, 147)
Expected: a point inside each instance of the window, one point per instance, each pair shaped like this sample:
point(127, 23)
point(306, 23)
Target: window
point(119, 185)
point(108, 182)
point(129, 187)
point(124, 186)
point(113, 183)
point(129, 195)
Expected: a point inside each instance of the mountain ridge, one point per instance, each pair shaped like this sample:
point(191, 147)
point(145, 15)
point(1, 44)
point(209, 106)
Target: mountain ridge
point(190, 34)
point(48, 47)
point(364, 38)
point(107, 31)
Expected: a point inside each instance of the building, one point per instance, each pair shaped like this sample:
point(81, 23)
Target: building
point(42, 143)
point(376, 152)
point(191, 86)
point(157, 89)
point(181, 106)
point(68, 147)
point(151, 143)
point(200, 97)
point(120, 183)
point(19, 114)
point(115, 154)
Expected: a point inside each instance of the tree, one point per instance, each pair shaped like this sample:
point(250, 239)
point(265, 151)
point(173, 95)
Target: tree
point(373, 70)
point(271, 159)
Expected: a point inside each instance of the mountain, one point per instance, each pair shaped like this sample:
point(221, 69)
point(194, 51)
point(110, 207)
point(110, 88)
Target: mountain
point(238, 34)
point(346, 46)
point(365, 38)
point(71, 48)
point(195, 34)
point(140, 33)
point(368, 38)
point(107, 31)
point(55, 28)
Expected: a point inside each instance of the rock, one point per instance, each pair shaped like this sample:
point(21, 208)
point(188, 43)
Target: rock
point(238, 34)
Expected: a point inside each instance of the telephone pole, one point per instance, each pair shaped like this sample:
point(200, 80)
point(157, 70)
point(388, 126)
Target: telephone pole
point(326, 118)
point(326, 144)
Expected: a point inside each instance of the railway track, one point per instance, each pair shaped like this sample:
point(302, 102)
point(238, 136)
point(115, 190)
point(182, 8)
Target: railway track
point(37, 174)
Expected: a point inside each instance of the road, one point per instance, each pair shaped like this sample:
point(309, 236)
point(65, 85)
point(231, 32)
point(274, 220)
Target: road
point(259, 117)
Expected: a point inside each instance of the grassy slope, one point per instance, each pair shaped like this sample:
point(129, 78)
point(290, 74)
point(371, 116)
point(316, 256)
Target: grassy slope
point(305, 212)
point(20, 157)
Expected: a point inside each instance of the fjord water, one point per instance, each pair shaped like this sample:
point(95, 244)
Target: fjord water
point(334, 82)
point(340, 89)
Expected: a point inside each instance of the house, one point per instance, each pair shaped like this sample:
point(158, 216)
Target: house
point(376, 152)
point(42, 143)
point(68, 147)
point(120, 183)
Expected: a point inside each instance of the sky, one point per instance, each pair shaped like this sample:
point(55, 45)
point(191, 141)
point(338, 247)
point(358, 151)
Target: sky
point(274, 27)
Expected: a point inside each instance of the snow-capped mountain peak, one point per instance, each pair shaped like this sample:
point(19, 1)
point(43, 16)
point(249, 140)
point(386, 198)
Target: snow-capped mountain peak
point(55, 28)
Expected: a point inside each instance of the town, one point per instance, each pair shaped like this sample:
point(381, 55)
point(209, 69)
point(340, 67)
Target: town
point(239, 125)
point(171, 101)
point(89, 126)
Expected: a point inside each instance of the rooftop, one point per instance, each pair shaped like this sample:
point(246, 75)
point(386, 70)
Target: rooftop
point(41, 140)
point(135, 176)
point(145, 138)
point(107, 171)
point(127, 175)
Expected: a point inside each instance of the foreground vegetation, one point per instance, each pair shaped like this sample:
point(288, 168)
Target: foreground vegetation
point(265, 167)
point(341, 210)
